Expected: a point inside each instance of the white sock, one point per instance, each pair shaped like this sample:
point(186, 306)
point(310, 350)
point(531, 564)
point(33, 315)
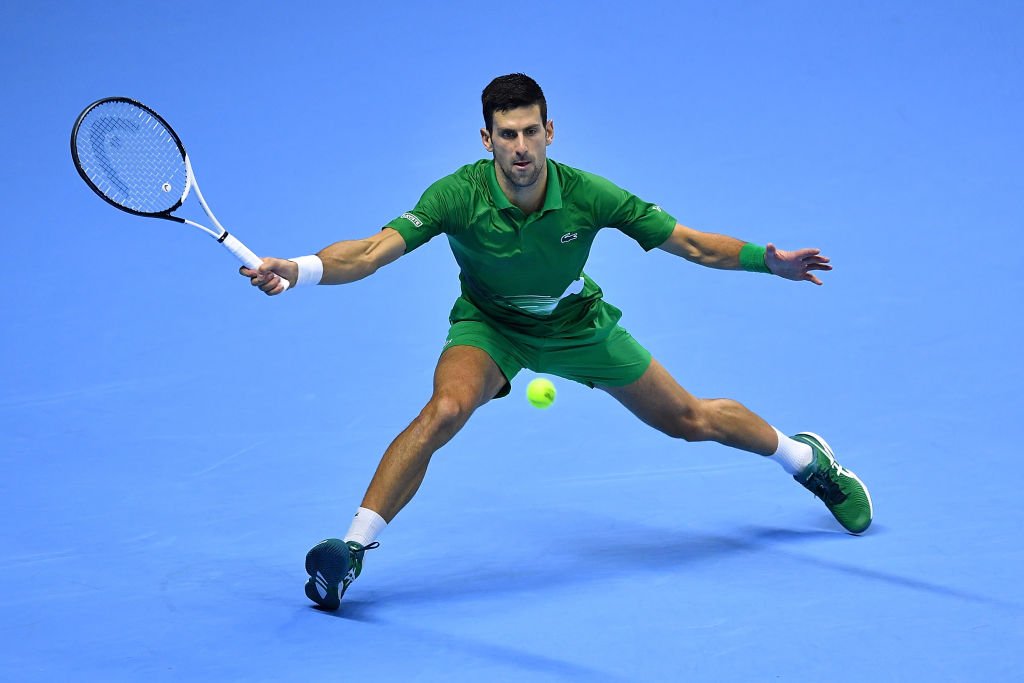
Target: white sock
point(366, 526)
point(794, 456)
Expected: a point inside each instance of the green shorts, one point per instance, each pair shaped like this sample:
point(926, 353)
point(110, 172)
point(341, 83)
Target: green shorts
point(599, 352)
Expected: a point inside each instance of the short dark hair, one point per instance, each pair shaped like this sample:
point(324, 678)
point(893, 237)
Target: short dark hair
point(511, 91)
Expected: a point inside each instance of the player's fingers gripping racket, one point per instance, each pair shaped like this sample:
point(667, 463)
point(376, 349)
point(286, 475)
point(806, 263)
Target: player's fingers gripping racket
point(132, 158)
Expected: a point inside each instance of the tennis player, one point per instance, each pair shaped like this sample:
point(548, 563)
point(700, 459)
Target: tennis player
point(521, 227)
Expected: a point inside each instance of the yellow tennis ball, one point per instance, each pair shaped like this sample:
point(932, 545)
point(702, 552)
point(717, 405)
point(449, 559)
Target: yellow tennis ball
point(540, 393)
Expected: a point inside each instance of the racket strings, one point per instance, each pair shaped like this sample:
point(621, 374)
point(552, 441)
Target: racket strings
point(131, 158)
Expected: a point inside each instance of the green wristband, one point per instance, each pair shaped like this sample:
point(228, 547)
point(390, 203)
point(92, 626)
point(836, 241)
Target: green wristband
point(752, 258)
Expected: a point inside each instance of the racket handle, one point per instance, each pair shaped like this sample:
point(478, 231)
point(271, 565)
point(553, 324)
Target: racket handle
point(245, 255)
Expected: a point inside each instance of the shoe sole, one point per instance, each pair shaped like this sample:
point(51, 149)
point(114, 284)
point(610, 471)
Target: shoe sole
point(318, 583)
point(867, 494)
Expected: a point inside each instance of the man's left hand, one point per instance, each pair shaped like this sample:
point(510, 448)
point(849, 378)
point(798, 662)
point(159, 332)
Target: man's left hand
point(796, 265)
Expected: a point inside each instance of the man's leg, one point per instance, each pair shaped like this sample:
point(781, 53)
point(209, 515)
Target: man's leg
point(465, 378)
point(657, 399)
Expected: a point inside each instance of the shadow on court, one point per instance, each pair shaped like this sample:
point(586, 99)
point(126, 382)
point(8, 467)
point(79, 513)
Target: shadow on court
point(636, 551)
point(530, 664)
point(584, 557)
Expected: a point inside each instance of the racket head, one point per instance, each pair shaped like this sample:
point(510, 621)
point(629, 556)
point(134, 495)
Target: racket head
point(131, 157)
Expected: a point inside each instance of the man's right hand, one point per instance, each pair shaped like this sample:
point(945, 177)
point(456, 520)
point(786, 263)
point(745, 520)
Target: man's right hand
point(268, 277)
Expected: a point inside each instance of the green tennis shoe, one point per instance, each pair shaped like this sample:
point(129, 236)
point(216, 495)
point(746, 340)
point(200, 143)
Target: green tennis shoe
point(333, 565)
point(843, 493)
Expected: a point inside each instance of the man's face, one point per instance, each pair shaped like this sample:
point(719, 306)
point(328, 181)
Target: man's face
point(518, 140)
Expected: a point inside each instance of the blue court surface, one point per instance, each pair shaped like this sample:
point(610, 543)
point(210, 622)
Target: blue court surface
point(172, 441)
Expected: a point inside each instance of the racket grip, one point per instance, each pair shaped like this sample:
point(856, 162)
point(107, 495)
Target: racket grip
point(244, 254)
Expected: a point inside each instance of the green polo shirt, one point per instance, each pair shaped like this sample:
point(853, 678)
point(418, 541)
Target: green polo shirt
point(523, 270)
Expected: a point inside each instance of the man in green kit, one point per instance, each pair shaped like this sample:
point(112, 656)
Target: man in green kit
point(521, 227)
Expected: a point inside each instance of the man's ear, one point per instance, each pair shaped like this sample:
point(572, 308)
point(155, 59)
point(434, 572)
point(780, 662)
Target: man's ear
point(549, 132)
point(485, 137)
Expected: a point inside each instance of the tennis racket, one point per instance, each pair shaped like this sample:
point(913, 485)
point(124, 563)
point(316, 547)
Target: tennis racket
point(132, 158)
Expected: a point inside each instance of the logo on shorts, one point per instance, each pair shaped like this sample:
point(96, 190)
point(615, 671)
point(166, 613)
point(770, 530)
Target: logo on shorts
point(569, 237)
point(412, 219)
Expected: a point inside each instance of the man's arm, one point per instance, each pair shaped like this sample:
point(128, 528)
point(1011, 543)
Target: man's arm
point(345, 261)
point(721, 251)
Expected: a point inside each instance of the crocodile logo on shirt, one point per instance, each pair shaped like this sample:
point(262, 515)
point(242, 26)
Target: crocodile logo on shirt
point(569, 237)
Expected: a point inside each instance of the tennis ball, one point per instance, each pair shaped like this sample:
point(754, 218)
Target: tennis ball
point(540, 393)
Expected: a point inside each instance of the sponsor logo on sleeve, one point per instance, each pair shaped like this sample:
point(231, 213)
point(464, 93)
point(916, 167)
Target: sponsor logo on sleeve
point(412, 219)
point(569, 237)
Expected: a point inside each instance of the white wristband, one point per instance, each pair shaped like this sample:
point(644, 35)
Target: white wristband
point(311, 270)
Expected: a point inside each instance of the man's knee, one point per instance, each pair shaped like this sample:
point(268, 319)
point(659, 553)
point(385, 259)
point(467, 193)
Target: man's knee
point(691, 423)
point(446, 413)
